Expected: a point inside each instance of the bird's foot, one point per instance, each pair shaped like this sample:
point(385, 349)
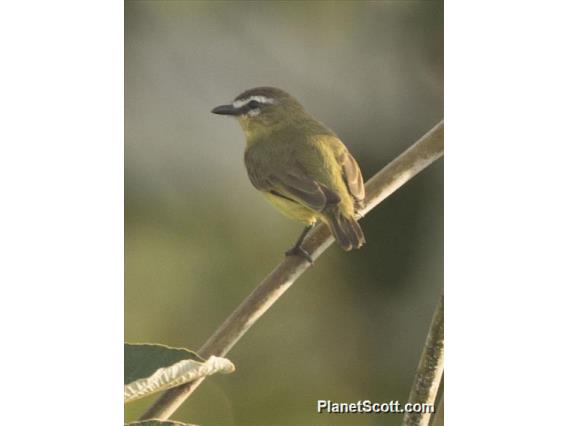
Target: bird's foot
point(300, 252)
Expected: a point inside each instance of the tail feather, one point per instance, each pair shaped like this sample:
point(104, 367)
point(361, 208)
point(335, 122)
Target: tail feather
point(346, 231)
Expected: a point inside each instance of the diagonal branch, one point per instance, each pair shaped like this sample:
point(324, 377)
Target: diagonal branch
point(430, 368)
point(420, 155)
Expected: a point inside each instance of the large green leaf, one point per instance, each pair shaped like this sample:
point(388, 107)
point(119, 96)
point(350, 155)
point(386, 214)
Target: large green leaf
point(150, 368)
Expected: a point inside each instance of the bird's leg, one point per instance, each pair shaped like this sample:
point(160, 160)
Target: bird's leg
point(297, 249)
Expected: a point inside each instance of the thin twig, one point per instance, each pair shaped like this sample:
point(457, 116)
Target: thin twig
point(407, 165)
point(430, 369)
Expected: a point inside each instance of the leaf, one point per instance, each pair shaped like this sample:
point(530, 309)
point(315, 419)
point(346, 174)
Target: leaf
point(152, 422)
point(150, 368)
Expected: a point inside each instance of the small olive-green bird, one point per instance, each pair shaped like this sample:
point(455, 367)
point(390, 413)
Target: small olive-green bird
point(299, 164)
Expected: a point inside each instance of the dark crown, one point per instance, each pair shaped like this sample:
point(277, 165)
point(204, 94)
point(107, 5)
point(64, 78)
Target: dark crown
point(268, 92)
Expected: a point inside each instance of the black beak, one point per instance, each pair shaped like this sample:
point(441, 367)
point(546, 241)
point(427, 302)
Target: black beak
point(226, 110)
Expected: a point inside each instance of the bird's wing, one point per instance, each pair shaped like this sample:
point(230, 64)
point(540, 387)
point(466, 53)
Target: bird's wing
point(302, 189)
point(292, 184)
point(352, 176)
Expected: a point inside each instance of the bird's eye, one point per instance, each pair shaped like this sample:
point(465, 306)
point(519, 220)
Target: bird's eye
point(253, 104)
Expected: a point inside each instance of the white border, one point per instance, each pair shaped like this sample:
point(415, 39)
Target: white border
point(61, 214)
point(506, 212)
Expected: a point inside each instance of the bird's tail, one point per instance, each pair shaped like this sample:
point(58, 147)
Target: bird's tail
point(346, 230)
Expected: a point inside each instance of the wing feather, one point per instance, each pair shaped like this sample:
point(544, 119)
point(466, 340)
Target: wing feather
point(352, 176)
point(303, 190)
point(293, 184)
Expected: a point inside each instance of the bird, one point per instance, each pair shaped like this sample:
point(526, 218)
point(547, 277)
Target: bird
point(300, 165)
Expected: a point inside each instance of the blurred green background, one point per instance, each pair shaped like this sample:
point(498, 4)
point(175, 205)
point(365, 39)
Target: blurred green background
point(199, 238)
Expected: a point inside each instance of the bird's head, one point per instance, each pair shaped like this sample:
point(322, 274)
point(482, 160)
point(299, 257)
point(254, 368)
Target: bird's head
point(262, 110)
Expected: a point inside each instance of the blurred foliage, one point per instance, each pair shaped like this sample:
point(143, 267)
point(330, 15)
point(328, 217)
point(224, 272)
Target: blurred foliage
point(199, 237)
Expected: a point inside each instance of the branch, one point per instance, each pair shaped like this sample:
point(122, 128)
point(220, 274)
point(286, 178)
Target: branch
point(407, 165)
point(430, 369)
point(438, 419)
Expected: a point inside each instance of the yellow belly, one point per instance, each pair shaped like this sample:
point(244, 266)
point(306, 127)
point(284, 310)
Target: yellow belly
point(292, 210)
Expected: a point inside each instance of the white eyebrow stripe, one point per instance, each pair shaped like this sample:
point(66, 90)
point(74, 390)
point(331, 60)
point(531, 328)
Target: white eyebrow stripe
point(259, 99)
